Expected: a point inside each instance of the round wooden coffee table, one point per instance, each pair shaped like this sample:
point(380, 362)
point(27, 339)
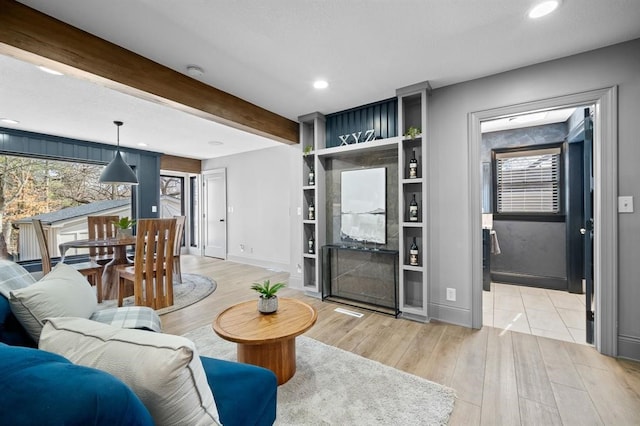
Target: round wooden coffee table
point(267, 340)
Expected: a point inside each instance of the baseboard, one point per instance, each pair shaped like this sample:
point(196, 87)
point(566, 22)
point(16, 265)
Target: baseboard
point(450, 314)
point(629, 347)
point(284, 267)
point(295, 281)
point(414, 317)
point(553, 283)
point(314, 294)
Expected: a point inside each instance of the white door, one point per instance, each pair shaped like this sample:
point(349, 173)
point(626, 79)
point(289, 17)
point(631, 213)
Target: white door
point(215, 213)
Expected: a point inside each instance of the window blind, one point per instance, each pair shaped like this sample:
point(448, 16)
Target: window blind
point(528, 181)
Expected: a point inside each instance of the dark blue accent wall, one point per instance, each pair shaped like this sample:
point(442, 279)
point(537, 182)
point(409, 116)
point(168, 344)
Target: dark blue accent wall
point(533, 253)
point(145, 163)
point(381, 116)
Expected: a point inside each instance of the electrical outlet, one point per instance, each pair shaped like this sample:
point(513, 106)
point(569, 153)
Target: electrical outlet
point(241, 247)
point(625, 204)
point(451, 294)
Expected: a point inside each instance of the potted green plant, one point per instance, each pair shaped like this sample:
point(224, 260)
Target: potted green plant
point(268, 301)
point(412, 132)
point(123, 227)
point(307, 149)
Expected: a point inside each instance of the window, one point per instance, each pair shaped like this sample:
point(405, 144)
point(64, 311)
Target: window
point(61, 193)
point(528, 182)
point(172, 197)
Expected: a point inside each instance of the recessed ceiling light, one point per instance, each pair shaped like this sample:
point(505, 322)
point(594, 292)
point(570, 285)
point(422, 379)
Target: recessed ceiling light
point(49, 70)
point(320, 84)
point(543, 9)
point(9, 121)
point(142, 144)
point(215, 143)
point(194, 71)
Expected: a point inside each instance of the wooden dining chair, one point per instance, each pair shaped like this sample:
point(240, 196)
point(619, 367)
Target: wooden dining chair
point(177, 247)
point(102, 227)
point(152, 271)
point(91, 269)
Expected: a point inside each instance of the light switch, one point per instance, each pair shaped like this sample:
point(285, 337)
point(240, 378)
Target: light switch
point(154, 209)
point(625, 204)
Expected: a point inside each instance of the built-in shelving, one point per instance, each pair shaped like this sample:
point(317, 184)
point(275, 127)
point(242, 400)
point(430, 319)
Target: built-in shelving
point(312, 135)
point(412, 112)
point(412, 279)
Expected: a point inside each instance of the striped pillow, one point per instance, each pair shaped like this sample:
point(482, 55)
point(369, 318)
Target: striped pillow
point(13, 277)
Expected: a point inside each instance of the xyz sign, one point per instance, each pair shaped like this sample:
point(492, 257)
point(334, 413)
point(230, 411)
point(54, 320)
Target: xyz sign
point(369, 135)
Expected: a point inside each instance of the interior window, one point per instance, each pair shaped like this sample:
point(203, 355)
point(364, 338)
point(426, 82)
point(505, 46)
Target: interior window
point(528, 182)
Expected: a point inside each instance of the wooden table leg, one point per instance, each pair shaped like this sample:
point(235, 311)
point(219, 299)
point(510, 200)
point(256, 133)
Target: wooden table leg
point(279, 357)
point(109, 275)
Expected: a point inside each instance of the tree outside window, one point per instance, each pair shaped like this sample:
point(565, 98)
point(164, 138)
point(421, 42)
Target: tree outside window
point(33, 186)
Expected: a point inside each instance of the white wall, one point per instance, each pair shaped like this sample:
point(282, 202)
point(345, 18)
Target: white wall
point(261, 207)
point(449, 210)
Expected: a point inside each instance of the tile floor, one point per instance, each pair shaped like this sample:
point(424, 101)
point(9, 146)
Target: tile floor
point(549, 313)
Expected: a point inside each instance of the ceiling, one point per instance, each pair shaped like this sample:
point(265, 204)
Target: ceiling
point(270, 52)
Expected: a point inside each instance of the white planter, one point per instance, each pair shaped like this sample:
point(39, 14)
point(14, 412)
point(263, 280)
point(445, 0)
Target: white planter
point(124, 233)
point(267, 306)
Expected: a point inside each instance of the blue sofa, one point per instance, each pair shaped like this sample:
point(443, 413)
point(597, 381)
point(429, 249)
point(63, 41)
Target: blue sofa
point(43, 388)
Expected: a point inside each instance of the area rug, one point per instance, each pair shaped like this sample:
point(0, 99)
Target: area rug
point(335, 387)
point(193, 288)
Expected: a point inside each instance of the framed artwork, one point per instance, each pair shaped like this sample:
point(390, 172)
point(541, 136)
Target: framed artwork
point(363, 214)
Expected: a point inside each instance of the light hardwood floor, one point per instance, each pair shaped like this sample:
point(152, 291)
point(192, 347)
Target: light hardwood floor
point(500, 377)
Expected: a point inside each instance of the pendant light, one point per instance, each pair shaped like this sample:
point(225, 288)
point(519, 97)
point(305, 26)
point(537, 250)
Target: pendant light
point(117, 171)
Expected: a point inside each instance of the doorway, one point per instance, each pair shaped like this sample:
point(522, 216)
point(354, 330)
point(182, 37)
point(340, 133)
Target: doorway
point(604, 205)
point(215, 214)
point(179, 196)
point(535, 279)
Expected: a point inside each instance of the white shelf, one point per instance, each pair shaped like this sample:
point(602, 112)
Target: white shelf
point(308, 187)
point(412, 224)
point(309, 222)
point(412, 268)
point(310, 256)
point(359, 148)
point(412, 181)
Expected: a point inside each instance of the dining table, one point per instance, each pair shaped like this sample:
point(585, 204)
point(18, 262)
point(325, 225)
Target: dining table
point(109, 274)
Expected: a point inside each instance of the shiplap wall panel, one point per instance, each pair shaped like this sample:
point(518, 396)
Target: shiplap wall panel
point(380, 116)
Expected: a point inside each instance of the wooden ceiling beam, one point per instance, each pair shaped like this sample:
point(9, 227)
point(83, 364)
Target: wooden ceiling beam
point(32, 36)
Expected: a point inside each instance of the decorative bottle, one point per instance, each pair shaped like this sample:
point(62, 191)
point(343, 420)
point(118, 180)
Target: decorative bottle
point(312, 211)
point(413, 210)
point(413, 166)
point(413, 253)
point(312, 177)
point(312, 245)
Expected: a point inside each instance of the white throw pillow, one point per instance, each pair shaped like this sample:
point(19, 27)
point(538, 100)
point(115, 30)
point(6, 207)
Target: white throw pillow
point(164, 370)
point(63, 292)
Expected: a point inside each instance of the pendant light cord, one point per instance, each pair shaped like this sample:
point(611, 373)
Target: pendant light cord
point(118, 124)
